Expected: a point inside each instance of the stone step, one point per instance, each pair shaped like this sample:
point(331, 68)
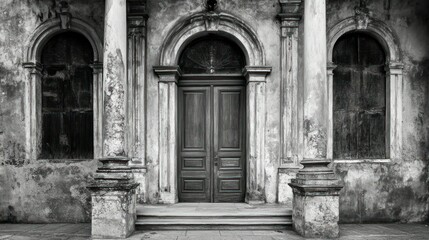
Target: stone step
point(210, 223)
point(215, 216)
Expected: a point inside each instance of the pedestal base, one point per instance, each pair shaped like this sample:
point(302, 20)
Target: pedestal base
point(113, 214)
point(316, 216)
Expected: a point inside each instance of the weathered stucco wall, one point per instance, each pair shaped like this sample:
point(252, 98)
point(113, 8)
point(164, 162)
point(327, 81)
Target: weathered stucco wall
point(54, 191)
point(36, 190)
point(396, 191)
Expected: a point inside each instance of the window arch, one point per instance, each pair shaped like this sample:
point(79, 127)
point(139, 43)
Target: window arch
point(389, 41)
point(359, 98)
point(33, 81)
point(67, 98)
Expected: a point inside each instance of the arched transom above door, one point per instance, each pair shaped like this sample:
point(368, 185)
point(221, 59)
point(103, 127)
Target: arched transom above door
point(212, 55)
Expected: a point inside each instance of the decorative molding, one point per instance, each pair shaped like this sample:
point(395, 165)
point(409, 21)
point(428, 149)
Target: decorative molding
point(377, 28)
point(256, 73)
point(168, 73)
point(362, 14)
point(227, 25)
point(290, 9)
point(64, 15)
point(211, 21)
point(211, 5)
point(50, 28)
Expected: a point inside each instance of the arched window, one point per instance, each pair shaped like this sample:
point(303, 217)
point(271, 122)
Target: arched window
point(67, 98)
point(212, 55)
point(359, 98)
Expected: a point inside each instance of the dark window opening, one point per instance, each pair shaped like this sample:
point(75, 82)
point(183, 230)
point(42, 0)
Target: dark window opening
point(212, 55)
point(359, 98)
point(67, 98)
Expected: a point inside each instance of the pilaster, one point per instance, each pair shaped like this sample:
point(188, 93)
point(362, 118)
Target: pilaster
point(255, 111)
point(33, 117)
point(136, 92)
point(136, 80)
point(290, 17)
point(167, 93)
point(97, 70)
point(330, 141)
point(394, 72)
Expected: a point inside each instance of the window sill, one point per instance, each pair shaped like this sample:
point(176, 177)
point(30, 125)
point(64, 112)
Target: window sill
point(66, 160)
point(351, 161)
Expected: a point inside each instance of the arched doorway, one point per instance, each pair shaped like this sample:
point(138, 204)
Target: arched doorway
point(256, 75)
point(211, 122)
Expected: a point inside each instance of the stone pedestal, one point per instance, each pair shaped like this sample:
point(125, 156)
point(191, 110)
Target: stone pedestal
point(113, 199)
point(316, 200)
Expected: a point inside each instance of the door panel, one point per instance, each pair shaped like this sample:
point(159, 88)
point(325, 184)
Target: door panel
point(211, 155)
point(194, 144)
point(228, 133)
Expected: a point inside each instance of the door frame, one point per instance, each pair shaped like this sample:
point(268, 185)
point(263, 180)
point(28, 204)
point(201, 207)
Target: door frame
point(168, 132)
point(211, 81)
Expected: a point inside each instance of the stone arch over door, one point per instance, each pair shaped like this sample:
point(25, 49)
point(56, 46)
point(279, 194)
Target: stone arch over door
point(394, 68)
point(32, 62)
point(255, 73)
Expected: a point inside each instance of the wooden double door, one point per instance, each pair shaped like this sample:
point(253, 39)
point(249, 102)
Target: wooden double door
point(211, 158)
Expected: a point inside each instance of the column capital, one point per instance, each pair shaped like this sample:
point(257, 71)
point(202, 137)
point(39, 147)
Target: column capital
point(136, 17)
point(168, 73)
point(97, 67)
point(256, 73)
point(33, 67)
point(395, 68)
point(291, 10)
point(136, 8)
point(330, 67)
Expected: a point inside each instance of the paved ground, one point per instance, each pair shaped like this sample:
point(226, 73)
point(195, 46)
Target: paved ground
point(82, 231)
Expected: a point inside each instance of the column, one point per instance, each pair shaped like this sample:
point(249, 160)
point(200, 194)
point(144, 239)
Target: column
point(114, 75)
point(113, 196)
point(315, 188)
point(167, 90)
point(136, 92)
point(255, 111)
point(290, 17)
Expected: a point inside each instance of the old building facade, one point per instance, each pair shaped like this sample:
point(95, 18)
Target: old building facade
point(215, 101)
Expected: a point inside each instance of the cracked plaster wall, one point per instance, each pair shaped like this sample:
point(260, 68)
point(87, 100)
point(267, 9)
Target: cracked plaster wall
point(36, 190)
point(396, 191)
point(54, 191)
